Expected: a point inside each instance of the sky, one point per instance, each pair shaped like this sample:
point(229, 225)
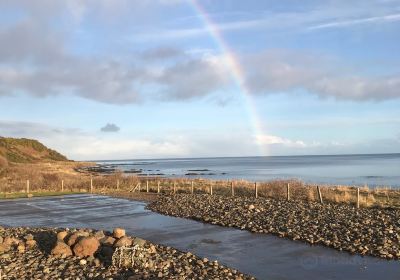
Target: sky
point(125, 79)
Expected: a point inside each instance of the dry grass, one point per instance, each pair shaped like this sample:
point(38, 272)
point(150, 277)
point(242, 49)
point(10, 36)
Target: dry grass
point(48, 177)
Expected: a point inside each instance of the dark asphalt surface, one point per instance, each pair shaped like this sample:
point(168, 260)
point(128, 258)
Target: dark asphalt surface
point(264, 256)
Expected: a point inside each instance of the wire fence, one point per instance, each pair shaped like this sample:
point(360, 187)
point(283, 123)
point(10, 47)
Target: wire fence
point(278, 189)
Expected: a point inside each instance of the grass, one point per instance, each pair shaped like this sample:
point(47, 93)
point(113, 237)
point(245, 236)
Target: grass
point(46, 178)
point(15, 195)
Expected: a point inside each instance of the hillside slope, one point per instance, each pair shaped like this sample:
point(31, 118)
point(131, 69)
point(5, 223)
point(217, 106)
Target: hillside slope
point(14, 150)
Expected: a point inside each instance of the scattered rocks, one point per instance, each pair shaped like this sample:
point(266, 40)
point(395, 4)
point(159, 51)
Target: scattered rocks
point(134, 258)
point(366, 231)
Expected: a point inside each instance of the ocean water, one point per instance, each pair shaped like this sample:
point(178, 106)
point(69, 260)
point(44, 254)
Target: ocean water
point(372, 170)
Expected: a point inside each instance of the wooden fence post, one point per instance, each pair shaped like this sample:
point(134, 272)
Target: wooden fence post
point(158, 187)
point(147, 185)
point(232, 189)
point(62, 185)
point(140, 186)
point(117, 184)
point(256, 189)
point(174, 188)
point(192, 189)
point(288, 192)
point(358, 198)
point(211, 188)
point(320, 195)
point(27, 186)
point(91, 185)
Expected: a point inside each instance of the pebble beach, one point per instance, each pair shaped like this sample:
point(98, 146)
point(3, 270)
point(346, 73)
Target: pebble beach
point(364, 231)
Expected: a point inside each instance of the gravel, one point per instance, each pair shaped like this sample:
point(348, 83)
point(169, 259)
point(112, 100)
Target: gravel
point(366, 231)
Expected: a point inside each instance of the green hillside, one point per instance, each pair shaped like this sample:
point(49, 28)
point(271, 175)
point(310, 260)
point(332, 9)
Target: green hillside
point(14, 150)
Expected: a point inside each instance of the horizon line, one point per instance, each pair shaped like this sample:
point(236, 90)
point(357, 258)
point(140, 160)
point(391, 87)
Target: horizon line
point(269, 156)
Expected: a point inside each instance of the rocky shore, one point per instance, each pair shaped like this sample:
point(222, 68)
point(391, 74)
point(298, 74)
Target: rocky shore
point(51, 253)
point(365, 231)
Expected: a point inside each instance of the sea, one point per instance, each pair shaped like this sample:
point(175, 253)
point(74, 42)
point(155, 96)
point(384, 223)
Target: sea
point(372, 170)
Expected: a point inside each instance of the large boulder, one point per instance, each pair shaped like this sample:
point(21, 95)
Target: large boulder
point(61, 249)
point(118, 233)
point(86, 246)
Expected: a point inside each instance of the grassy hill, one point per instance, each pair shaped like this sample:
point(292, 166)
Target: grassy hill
point(14, 150)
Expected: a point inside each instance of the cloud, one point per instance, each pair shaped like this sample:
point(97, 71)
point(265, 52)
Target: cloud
point(276, 140)
point(280, 71)
point(77, 144)
point(194, 78)
point(36, 59)
point(110, 127)
point(358, 21)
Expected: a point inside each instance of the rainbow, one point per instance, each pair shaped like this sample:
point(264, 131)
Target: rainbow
point(232, 63)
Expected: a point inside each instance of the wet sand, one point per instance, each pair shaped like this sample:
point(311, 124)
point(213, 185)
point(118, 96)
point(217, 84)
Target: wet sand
point(264, 256)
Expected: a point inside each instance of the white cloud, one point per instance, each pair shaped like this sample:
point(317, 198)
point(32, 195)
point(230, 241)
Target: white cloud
point(358, 21)
point(280, 71)
point(276, 140)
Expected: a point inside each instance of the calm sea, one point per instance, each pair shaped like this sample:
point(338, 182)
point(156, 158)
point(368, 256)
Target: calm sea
point(372, 170)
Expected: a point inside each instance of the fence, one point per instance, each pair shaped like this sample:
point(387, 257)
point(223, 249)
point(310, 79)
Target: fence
point(280, 189)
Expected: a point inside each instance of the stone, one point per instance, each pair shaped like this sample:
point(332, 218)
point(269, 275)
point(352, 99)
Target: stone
point(123, 241)
point(108, 240)
point(30, 243)
point(11, 241)
point(118, 233)
point(28, 237)
point(251, 207)
point(5, 256)
point(61, 249)
point(139, 241)
point(99, 234)
point(21, 248)
point(73, 239)
point(82, 262)
point(4, 248)
point(106, 252)
point(1, 239)
point(61, 235)
point(86, 247)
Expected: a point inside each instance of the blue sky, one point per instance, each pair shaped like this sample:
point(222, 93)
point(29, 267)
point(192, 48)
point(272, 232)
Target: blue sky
point(146, 79)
